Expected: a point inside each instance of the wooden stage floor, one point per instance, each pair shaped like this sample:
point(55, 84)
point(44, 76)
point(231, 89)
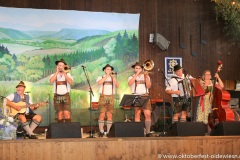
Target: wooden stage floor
point(142, 148)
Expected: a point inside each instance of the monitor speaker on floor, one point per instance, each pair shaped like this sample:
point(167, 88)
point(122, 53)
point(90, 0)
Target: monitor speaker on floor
point(127, 129)
point(64, 130)
point(226, 129)
point(186, 129)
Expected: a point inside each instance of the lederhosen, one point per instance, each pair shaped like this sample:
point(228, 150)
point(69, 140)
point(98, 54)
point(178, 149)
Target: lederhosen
point(25, 99)
point(106, 102)
point(148, 106)
point(180, 103)
point(62, 102)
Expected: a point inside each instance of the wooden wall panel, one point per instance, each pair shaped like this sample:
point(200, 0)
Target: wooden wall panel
point(164, 17)
point(120, 148)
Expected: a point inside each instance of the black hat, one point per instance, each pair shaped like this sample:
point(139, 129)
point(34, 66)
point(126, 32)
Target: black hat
point(137, 64)
point(61, 60)
point(176, 67)
point(107, 66)
point(21, 83)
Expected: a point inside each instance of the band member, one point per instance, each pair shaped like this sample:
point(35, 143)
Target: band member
point(107, 85)
point(19, 96)
point(205, 101)
point(140, 83)
point(61, 81)
point(181, 98)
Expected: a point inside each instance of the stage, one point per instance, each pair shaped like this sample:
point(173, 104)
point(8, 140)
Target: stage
point(142, 148)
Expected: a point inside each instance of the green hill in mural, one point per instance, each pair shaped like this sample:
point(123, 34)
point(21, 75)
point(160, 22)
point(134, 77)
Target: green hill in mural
point(86, 44)
point(36, 33)
point(13, 34)
point(74, 34)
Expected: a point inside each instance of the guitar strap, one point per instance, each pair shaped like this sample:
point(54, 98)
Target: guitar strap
point(17, 98)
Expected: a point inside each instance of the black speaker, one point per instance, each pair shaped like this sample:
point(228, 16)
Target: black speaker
point(64, 130)
point(127, 129)
point(186, 129)
point(226, 128)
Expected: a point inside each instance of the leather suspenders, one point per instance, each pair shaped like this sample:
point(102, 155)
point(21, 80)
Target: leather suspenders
point(107, 83)
point(140, 82)
point(60, 83)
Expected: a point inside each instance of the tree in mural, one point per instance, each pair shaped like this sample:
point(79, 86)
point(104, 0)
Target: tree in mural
point(21, 67)
point(109, 48)
point(126, 47)
point(34, 69)
point(47, 62)
point(3, 51)
point(7, 66)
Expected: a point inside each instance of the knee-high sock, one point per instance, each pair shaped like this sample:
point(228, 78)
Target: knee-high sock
point(147, 126)
point(34, 125)
point(101, 125)
point(27, 128)
point(174, 120)
point(68, 120)
point(109, 125)
point(183, 119)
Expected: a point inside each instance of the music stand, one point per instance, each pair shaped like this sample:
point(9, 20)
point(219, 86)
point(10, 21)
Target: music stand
point(134, 101)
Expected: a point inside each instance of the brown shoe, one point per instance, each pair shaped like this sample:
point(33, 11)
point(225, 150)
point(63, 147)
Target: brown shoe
point(31, 136)
point(100, 134)
point(148, 135)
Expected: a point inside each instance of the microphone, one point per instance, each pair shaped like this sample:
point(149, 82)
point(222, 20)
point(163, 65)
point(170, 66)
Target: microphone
point(83, 66)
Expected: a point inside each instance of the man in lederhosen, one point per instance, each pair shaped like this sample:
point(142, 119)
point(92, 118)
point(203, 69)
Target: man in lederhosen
point(61, 81)
point(107, 85)
point(20, 96)
point(181, 101)
point(140, 83)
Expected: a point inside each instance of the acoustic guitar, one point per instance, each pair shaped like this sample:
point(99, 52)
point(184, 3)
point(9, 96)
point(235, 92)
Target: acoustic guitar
point(12, 111)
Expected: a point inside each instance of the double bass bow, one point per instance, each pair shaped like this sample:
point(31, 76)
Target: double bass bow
point(221, 110)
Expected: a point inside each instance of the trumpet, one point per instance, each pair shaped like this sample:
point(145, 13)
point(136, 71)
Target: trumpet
point(113, 73)
point(148, 66)
point(66, 69)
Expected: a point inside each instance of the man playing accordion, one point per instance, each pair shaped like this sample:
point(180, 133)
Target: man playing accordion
point(179, 89)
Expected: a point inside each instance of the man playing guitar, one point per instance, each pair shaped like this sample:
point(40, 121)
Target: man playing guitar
point(17, 97)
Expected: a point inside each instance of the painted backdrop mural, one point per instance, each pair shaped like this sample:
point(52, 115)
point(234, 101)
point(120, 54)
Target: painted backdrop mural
point(31, 40)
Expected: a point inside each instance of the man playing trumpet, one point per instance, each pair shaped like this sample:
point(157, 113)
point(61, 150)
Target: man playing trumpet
point(61, 87)
point(140, 83)
point(107, 85)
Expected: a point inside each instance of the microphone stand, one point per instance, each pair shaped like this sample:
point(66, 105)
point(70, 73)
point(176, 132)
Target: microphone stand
point(91, 94)
point(164, 133)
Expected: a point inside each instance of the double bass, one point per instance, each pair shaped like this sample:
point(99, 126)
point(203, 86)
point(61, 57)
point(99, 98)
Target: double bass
point(221, 110)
